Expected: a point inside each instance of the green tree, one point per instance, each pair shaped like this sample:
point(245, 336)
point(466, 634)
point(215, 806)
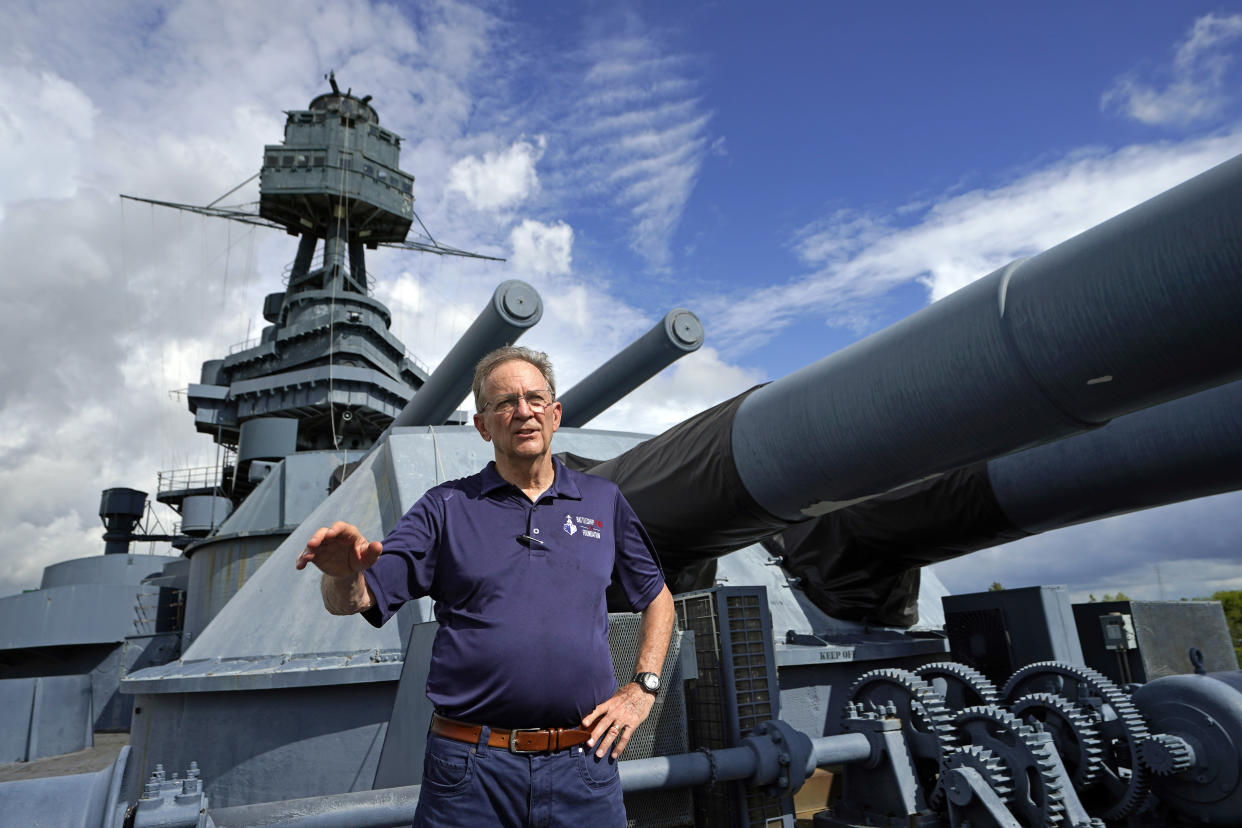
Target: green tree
point(1231, 602)
point(1120, 596)
point(996, 587)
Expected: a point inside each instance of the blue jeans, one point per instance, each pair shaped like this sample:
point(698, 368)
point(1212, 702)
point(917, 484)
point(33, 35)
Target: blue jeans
point(467, 785)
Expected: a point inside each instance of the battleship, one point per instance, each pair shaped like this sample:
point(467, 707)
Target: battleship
point(818, 675)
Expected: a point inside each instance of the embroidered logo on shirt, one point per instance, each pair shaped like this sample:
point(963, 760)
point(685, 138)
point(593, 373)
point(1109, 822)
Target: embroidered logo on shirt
point(569, 525)
point(590, 526)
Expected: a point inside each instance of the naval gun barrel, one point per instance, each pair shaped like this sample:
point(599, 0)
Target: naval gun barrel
point(1188, 448)
point(1136, 311)
point(862, 563)
point(679, 333)
point(515, 306)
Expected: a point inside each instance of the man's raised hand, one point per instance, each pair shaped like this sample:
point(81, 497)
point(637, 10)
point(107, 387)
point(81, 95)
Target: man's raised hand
point(339, 550)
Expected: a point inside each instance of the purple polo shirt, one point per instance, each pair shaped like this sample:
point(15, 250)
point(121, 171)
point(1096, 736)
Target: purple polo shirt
point(523, 638)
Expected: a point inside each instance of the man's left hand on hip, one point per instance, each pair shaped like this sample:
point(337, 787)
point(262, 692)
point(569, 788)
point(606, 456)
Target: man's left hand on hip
point(614, 720)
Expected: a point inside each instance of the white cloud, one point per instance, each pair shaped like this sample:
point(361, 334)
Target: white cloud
point(61, 538)
point(1197, 82)
point(1184, 550)
point(952, 241)
point(542, 248)
point(46, 126)
point(498, 179)
point(638, 135)
point(428, 313)
point(840, 236)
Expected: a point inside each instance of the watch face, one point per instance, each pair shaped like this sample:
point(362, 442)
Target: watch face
point(651, 681)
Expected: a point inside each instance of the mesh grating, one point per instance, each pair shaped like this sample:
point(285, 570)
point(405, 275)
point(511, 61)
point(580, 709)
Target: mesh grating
point(736, 690)
point(664, 731)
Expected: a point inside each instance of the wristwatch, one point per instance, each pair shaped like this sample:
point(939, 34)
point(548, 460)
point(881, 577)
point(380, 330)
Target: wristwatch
point(648, 681)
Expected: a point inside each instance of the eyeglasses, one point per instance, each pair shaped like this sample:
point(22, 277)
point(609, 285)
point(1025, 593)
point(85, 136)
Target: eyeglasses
point(537, 401)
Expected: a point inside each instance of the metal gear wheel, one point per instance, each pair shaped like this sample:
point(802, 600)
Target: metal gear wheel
point(960, 685)
point(927, 724)
point(986, 763)
point(1036, 800)
point(1121, 786)
point(1074, 732)
point(1165, 754)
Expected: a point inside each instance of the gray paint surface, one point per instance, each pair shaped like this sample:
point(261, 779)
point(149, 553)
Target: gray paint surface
point(104, 569)
point(263, 745)
point(67, 615)
point(81, 800)
point(218, 569)
point(278, 611)
point(202, 513)
point(267, 438)
point(45, 716)
point(401, 759)
point(222, 563)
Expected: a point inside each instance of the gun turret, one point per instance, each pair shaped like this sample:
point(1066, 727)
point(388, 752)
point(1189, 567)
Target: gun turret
point(677, 334)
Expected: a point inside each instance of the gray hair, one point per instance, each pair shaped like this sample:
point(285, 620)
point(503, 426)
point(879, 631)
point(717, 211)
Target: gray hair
point(509, 353)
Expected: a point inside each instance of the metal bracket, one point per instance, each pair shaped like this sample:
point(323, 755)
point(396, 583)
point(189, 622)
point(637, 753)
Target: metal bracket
point(973, 803)
point(884, 789)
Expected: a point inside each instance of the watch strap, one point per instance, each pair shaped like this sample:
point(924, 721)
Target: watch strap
point(640, 680)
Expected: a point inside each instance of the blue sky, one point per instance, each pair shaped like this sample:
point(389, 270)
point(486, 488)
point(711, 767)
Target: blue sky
point(800, 175)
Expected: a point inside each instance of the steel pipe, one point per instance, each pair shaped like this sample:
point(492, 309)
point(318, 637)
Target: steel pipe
point(384, 808)
point(515, 307)
point(686, 770)
point(679, 333)
point(395, 806)
point(1187, 448)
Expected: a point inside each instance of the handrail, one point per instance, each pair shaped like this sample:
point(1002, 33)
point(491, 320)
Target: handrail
point(201, 477)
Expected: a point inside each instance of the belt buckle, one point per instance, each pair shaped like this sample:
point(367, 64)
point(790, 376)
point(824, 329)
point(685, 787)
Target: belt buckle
point(513, 748)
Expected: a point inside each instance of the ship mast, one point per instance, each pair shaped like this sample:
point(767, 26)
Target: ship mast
point(326, 373)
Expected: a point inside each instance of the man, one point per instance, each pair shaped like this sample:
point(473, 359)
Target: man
point(529, 720)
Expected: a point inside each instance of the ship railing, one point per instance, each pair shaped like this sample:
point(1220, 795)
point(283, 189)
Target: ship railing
point(180, 480)
point(421, 365)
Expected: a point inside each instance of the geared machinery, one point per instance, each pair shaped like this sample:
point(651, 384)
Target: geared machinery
point(1061, 746)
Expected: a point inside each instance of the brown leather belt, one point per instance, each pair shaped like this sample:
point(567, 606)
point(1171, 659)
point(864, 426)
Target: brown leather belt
point(518, 740)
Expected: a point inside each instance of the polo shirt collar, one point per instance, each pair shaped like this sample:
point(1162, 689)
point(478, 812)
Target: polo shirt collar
point(563, 484)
